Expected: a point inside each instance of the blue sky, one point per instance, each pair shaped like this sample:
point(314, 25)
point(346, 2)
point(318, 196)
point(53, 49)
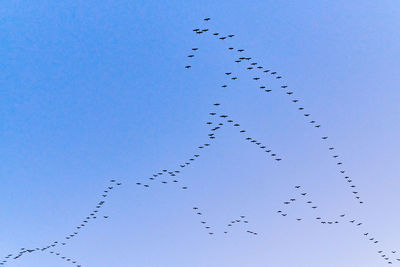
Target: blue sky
point(92, 91)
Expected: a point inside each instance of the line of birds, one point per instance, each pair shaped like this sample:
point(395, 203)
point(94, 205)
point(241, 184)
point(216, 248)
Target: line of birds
point(339, 219)
point(256, 66)
point(94, 214)
point(250, 139)
point(65, 258)
point(242, 219)
point(313, 206)
point(230, 224)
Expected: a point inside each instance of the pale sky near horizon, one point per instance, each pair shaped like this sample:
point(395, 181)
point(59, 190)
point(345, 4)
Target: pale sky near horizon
point(92, 91)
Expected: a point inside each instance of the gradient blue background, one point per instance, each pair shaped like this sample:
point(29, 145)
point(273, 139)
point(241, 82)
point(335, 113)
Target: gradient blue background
point(94, 90)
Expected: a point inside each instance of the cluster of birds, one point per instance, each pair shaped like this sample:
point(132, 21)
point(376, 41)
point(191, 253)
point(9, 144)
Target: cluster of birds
point(229, 225)
point(93, 215)
point(260, 70)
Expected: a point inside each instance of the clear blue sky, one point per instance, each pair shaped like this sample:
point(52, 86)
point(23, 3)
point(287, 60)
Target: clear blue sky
point(97, 90)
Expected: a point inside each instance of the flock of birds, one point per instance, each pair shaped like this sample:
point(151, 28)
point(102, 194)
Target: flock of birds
point(216, 122)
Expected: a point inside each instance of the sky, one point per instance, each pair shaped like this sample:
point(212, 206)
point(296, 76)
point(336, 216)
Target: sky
point(92, 91)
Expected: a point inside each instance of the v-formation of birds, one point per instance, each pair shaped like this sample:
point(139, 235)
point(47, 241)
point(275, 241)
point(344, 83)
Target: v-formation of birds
point(217, 121)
